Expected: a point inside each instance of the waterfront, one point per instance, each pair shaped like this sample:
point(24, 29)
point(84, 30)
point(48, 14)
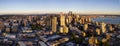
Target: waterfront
point(109, 20)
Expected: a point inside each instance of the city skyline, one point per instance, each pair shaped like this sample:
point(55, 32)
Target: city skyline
point(56, 6)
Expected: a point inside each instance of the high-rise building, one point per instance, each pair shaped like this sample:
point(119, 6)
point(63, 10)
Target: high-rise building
point(86, 19)
point(98, 31)
point(82, 20)
point(103, 27)
point(110, 28)
point(93, 41)
point(48, 21)
point(61, 29)
point(76, 18)
point(68, 19)
point(62, 19)
point(89, 19)
point(54, 24)
point(96, 23)
point(85, 27)
point(65, 29)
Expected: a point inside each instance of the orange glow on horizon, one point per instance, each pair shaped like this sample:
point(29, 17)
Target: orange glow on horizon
point(54, 12)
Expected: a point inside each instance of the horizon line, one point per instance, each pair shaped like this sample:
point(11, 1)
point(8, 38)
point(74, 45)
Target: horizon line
point(65, 12)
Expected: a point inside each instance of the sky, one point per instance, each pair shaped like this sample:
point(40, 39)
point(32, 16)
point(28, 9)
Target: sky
point(55, 6)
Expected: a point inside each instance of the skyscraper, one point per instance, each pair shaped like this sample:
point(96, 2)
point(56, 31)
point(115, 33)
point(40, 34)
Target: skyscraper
point(89, 19)
point(54, 24)
point(103, 27)
point(63, 28)
point(85, 27)
point(68, 19)
point(76, 18)
point(62, 19)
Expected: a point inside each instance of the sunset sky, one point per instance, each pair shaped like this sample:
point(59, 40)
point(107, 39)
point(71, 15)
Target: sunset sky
point(53, 6)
